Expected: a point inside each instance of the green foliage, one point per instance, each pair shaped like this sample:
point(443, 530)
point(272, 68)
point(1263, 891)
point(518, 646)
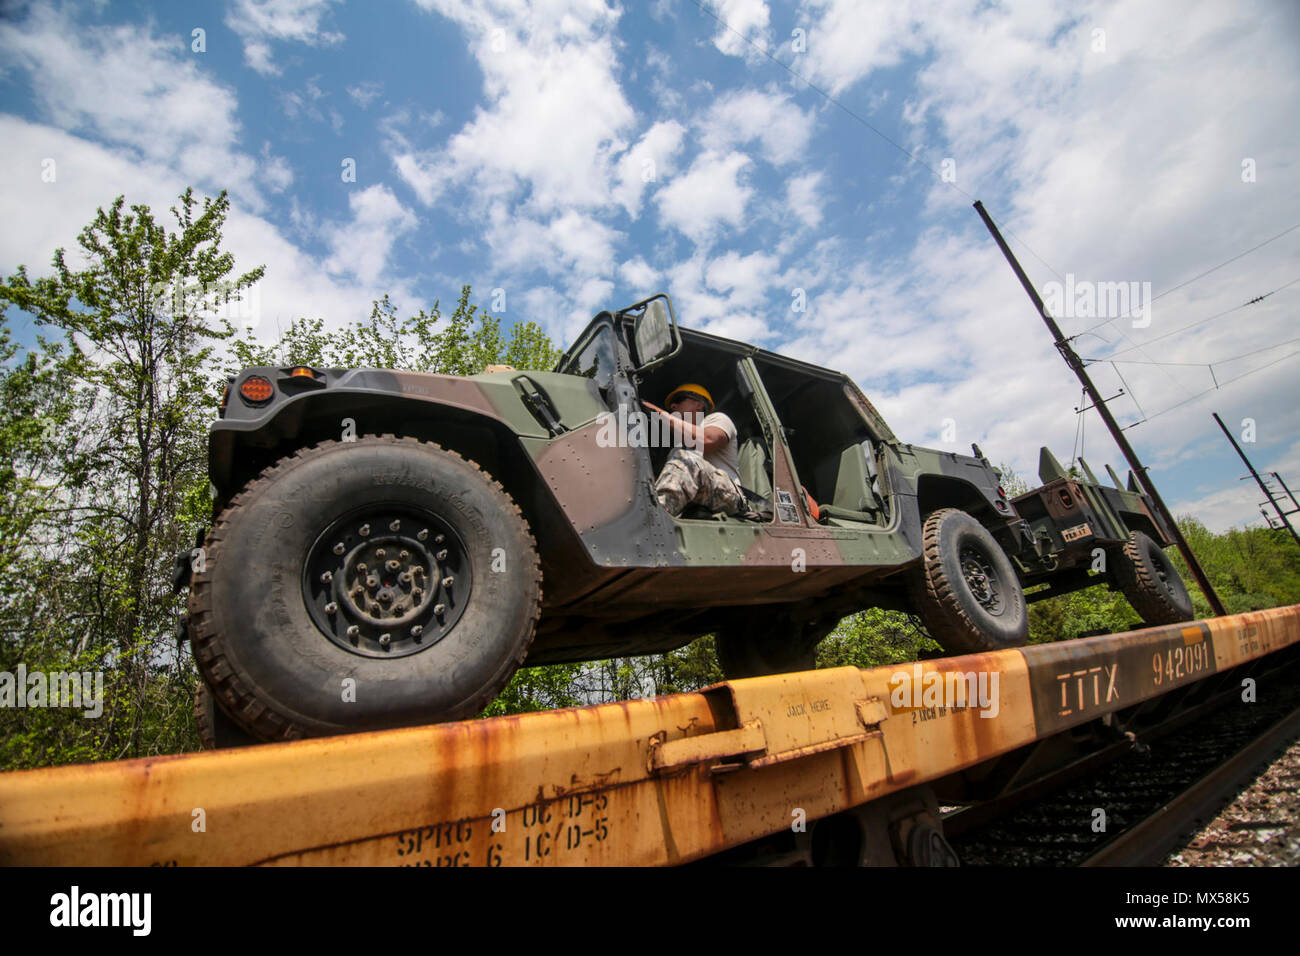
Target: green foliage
point(537, 688)
point(463, 343)
point(875, 638)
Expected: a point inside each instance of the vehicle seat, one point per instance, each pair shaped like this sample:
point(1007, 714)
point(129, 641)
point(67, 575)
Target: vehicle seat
point(857, 492)
point(755, 467)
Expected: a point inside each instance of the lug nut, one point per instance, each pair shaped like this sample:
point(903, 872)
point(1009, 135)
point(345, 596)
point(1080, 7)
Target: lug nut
point(364, 530)
point(416, 631)
point(418, 571)
point(331, 608)
point(440, 539)
point(405, 577)
point(380, 553)
point(339, 548)
point(423, 534)
point(393, 565)
point(440, 609)
point(385, 640)
point(354, 632)
point(447, 581)
point(385, 598)
point(372, 582)
point(417, 595)
point(442, 555)
point(326, 578)
point(395, 526)
point(405, 555)
point(361, 566)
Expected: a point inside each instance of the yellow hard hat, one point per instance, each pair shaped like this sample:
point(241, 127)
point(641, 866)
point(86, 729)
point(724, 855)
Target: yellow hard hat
point(690, 388)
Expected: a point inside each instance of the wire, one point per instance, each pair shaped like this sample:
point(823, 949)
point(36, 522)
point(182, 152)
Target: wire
point(1218, 386)
point(1192, 325)
point(1266, 348)
point(1201, 275)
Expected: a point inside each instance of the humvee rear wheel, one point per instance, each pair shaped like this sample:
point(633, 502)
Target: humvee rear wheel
point(761, 644)
point(966, 591)
point(1150, 582)
point(360, 585)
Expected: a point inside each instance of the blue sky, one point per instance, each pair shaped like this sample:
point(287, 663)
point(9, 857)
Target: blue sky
point(581, 155)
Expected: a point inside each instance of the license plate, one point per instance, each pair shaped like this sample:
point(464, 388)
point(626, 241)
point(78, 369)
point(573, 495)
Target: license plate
point(1077, 532)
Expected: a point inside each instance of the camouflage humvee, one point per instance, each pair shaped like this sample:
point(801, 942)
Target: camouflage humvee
point(390, 546)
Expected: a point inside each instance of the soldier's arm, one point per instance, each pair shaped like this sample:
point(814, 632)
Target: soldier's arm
point(708, 440)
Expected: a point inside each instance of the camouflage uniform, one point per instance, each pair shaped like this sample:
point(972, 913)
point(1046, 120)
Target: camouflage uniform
point(688, 479)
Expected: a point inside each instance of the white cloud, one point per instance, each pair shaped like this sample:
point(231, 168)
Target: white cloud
point(803, 201)
point(556, 117)
point(259, 23)
point(363, 94)
point(638, 274)
point(746, 27)
point(649, 161)
point(745, 278)
point(361, 247)
point(711, 194)
point(572, 243)
point(739, 117)
point(137, 92)
point(847, 39)
point(275, 170)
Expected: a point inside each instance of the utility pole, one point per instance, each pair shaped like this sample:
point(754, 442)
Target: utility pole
point(1075, 363)
point(1260, 481)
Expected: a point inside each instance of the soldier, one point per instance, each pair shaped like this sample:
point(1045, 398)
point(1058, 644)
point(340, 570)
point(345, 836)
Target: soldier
point(707, 470)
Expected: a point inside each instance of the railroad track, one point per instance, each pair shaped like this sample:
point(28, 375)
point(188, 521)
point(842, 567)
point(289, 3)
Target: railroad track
point(1137, 801)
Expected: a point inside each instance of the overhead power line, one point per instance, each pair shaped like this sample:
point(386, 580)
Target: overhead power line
point(1192, 325)
point(1199, 275)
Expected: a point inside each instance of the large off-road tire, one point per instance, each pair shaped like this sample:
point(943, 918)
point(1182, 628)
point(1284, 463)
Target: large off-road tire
point(216, 730)
point(360, 585)
point(966, 590)
point(1146, 576)
point(758, 644)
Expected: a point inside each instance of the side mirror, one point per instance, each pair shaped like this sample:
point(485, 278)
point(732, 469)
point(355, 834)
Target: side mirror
point(655, 334)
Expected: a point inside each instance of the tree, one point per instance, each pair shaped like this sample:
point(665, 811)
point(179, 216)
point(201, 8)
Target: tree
point(140, 322)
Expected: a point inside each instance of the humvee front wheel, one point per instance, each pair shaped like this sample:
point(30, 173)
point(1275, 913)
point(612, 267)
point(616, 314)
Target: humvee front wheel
point(1150, 582)
point(966, 591)
point(360, 585)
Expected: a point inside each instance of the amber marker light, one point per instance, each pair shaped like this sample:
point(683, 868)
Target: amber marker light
point(299, 371)
point(256, 389)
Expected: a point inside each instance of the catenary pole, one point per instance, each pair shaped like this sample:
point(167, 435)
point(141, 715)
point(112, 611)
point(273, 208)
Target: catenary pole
point(1260, 481)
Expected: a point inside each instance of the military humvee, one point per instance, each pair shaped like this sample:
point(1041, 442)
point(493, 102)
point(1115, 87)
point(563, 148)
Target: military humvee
point(389, 546)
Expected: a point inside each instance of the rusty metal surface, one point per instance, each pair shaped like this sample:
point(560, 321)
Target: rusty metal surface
point(658, 781)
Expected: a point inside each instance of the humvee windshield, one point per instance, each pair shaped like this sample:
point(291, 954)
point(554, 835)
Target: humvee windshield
point(596, 359)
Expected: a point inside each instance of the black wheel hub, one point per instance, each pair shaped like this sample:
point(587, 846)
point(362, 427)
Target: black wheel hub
point(981, 579)
point(387, 581)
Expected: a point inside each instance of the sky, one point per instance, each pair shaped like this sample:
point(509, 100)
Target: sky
point(795, 175)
